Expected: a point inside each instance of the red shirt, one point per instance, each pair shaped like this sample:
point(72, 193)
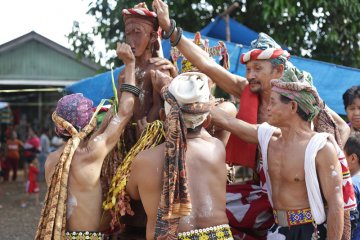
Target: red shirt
point(33, 172)
point(13, 147)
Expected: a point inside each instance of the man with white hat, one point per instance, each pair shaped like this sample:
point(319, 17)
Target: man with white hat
point(186, 201)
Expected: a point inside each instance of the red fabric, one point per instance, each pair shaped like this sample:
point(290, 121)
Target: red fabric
point(248, 210)
point(32, 145)
point(32, 184)
point(239, 152)
point(13, 147)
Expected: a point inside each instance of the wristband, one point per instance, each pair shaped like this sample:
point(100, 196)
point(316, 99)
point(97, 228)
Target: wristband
point(178, 37)
point(130, 88)
point(167, 35)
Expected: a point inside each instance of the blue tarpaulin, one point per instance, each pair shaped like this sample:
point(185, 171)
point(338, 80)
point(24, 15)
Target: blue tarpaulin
point(330, 80)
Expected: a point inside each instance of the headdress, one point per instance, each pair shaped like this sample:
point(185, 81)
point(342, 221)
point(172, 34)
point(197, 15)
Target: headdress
point(188, 93)
point(264, 48)
point(75, 109)
point(141, 11)
point(219, 50)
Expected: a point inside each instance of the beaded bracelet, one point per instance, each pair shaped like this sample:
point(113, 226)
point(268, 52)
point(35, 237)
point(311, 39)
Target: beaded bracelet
point(130, 88)
point(178, 37)
point(166, 35)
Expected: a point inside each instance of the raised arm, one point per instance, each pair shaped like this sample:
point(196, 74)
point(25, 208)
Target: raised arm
point(102, 144)
point(229, 82)
point(330, 176)
point(344, 129)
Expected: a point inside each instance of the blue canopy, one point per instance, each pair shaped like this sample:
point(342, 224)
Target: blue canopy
point(217, 29)
point(330, 80)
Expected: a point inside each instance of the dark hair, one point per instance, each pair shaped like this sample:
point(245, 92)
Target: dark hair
point(299, 111)
point(350, 95)
point(352, 145)
point(194, 130)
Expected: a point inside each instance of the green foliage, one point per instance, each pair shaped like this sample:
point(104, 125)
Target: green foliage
point(322, 29)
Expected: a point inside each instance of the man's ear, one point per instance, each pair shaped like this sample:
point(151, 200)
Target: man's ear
point(207, 121)
point(154, 36)
point(162, 114)
point(354, 158)
point(294, 106)
point(280, 70)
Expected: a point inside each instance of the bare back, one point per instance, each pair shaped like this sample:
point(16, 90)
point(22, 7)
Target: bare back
point(205, 165)
point(84, 189)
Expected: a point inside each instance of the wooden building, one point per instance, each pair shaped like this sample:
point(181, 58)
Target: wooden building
point(33, 73)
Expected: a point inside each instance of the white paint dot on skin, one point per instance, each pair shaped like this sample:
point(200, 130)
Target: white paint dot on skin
point(334, 173)
point(337, 188)
point(98, 138)
point(332, 167)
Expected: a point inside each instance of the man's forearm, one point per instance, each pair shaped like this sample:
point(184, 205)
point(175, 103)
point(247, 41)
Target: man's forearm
point(344, 129)
point(335, 222)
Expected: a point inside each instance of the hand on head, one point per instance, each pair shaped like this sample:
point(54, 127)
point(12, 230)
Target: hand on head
point(124, 52)
point(159, 80)
point(162, 11)
point(165, 64)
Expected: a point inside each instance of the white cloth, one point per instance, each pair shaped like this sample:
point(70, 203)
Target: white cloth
point(188, 88)
point(265, 132)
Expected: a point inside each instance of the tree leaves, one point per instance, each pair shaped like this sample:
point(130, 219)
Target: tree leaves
point(328, 30)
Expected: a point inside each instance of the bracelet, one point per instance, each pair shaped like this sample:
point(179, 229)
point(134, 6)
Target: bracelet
point(130, 88)
point(178, 37)
point(166, 35)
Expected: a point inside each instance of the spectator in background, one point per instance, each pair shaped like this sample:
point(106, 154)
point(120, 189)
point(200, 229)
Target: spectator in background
point(32, 186)
point(352, 154)
point(351, 100)
point(45, 150)
point(56, 142)
point(31, 149)
point(12, 153)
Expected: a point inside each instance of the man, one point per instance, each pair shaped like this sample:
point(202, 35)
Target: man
point(290, 147)
point(141, 28)
point(186, 201)
point(73, 205)
point(248, 209)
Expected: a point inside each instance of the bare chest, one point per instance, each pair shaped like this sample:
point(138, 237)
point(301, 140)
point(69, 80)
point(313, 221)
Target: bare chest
point(286, 163)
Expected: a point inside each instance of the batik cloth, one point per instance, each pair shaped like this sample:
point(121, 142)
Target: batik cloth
point(221, 232)
point(84, 235)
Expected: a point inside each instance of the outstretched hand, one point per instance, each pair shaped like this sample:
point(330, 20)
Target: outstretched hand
point(159, 80)
point(124, 52)
point(164, 64)
point(162, 11)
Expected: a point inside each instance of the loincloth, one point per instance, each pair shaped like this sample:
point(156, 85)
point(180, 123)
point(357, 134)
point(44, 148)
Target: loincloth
point(221, 232)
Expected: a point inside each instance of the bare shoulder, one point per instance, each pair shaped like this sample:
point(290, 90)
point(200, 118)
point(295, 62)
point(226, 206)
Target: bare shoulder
point(148, 156)
point(228, 107)
point(50, 163)
point(327, 155)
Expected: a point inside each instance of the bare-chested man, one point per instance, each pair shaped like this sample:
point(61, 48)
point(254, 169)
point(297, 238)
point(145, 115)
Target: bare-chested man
point(195, 159)
point(83, 193)
point(307, 204)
